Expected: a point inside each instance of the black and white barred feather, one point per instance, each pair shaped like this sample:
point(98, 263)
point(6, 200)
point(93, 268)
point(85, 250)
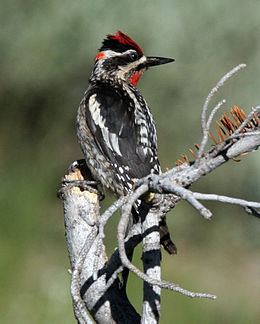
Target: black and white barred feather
point(115, 127)
point(118, 136)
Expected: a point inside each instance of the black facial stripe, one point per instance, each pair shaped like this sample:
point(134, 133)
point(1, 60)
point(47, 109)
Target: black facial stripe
point(121, 60)
point(140, 67)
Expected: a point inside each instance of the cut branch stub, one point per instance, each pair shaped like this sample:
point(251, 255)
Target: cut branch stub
point(100, 296)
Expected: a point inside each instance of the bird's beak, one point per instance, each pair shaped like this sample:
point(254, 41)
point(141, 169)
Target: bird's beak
point(153, 61)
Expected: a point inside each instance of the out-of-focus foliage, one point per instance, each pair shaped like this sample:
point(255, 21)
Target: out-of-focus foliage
point(47, 49)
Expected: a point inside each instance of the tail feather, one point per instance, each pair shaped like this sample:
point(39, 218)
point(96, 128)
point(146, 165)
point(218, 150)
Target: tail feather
point(140, 210)
point(165, 237)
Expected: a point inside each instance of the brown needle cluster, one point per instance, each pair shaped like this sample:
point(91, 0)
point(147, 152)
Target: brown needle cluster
point(225, 127)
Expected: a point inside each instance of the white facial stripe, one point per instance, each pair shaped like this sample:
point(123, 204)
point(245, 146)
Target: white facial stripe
point(109, 53)
point(132, 65)
point(123, 71)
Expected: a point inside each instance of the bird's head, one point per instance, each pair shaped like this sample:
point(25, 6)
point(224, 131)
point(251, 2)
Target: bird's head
point(121, 59)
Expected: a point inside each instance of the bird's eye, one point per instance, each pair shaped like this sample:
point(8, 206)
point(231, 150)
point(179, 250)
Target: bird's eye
point(133, 55)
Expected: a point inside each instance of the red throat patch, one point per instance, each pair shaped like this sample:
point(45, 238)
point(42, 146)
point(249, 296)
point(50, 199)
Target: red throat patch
point(135, 77)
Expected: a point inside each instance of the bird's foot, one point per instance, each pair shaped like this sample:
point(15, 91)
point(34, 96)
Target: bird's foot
point(88, 183)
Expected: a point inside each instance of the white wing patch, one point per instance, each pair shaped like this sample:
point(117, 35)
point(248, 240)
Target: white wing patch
point(114, 142)
point(144, 135)
point(111, 139)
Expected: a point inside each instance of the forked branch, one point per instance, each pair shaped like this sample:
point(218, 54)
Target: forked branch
point(95, 285)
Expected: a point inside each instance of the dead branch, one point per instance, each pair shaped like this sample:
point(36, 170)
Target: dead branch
point(95, 286)
point(100, 297)
point(205, 124)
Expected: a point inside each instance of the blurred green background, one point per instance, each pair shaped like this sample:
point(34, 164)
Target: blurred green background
point(47, 49)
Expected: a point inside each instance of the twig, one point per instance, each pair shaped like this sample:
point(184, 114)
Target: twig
point(205, 137)
point(193, 197)
point(186, 195)
point(204, 121)
point(241, 135)
point(114, 264)
point(126, 212)
point(225, 199)
point(245, 122)
point(213, 113)
point(101, 225)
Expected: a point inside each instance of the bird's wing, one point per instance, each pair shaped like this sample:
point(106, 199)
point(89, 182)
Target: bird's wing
point(126, 144)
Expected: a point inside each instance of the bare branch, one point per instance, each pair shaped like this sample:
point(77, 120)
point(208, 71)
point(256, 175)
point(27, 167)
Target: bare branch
point(174, 181)
point(81, 243)
point(101, 225)
point(151, 264)
point(187, 195)
point(225, 199)
point(95, 285)
point(213, 113)
point(126, 213)
point(241, 135)
point(204, 122)
point(245, 122)
point(79, 305)
point(102, 297)
point(205, 137)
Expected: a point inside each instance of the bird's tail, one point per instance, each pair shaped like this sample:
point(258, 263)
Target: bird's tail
point(165, 237)
point(140, 210)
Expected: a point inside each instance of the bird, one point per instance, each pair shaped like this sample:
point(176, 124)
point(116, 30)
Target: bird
point(115, 127)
